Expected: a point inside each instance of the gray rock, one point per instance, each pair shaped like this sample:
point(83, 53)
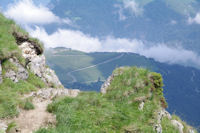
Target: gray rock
point(106, 84)
point(178, 125)
point(163, 113)
point(141, 106)
point(37, 64)
point(50, 93)
point(51, 77)
point(158, 128)
point(20, 74)
point(11, 75)
point(160, 114)
point(191, 131)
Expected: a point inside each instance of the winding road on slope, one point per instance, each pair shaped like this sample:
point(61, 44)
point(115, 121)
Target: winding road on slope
point(69, 74)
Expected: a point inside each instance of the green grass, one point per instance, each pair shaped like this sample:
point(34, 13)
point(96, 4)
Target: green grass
point(11, 126)
point(28, 105)
point(167, 127)
point(11, 94)
point(8, 45)
point(36, 81)
point(116, 111)
point(7, 65)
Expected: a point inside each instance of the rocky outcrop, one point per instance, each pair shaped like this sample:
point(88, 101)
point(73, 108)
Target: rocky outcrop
point(163, 113)
point(19, 74)
point(160, 114)
point(106, 84)
point(20, 38)
point(37, 64)
point(178, 125)
point(158, 128)
point(50, 93)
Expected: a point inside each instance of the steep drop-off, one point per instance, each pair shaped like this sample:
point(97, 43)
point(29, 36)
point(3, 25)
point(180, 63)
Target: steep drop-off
point(131, 101)
point(32, 99)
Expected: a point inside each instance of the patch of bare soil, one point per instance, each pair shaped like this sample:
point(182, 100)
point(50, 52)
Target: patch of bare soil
point(31, 120)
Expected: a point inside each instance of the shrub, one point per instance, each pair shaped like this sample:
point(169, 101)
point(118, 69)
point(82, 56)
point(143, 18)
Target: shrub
point(28, 105)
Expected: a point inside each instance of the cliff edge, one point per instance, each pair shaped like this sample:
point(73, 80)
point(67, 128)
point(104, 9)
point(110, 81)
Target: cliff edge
point(32, 99)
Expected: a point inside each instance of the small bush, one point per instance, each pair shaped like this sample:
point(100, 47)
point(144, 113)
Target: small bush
point(157, 80)
point(28, 105)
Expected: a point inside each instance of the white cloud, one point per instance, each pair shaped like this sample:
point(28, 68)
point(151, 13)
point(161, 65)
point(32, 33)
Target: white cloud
point(67, 38)
point(133, 7)
point(120, 12)
point(172, 55)
point(129, 5)
point(80, 41)
point(196, 19)
point(26, 12)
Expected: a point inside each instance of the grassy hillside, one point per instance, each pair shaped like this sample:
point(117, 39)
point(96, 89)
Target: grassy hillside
point(181, 83)
point(117, 110)
point(8, 42)
point(10, 92)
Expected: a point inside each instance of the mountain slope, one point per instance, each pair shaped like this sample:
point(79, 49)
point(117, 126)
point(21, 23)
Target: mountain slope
point(27, 85)
point(132, 101)
point(181, 83)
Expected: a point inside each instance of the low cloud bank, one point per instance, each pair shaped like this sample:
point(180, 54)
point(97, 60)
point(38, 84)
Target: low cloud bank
point(79, 41)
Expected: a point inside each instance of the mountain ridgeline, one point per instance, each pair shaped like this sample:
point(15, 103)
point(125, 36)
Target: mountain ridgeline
point(131, 100)
point(88, 71)
point(33, 100)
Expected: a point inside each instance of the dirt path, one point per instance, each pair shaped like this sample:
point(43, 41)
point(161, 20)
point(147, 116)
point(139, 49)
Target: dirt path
point(29, 121)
